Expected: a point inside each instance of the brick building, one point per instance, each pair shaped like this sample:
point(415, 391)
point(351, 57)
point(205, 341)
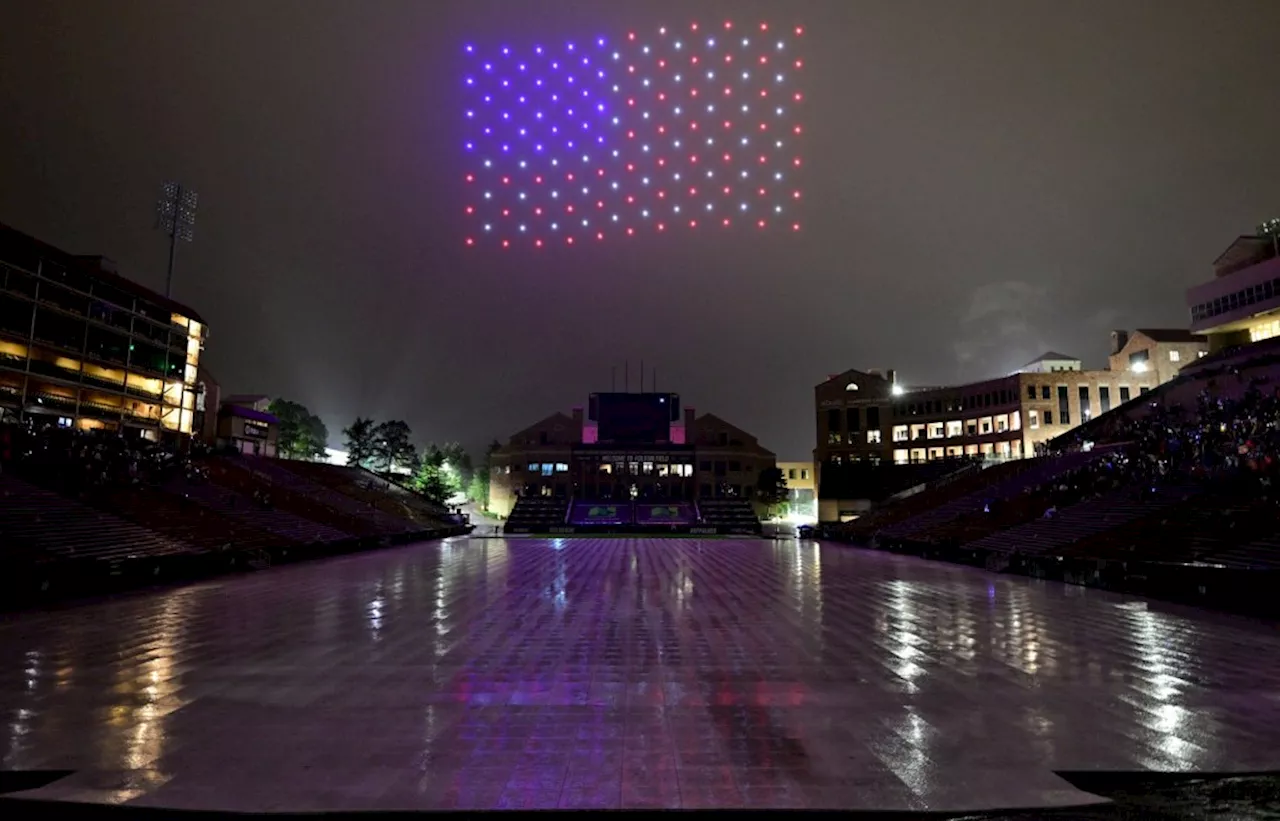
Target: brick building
point(868, 420)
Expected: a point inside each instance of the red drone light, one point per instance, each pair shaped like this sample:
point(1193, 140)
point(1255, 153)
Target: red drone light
point(760, 223)
point(726, 223)
point(470, 241)
point(799, 30)
point(630, 231)
point(471, 178)
point(764, 26)
point(470, 209)
point(661, 227)
point(728, 25)
point(537, 243)
point(506, 243)
point(569, 240)
point(631, 36)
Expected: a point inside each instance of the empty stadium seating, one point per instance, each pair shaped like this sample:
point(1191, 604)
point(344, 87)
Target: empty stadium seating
point(537, 514)
point(733, 514)
point(63, 529)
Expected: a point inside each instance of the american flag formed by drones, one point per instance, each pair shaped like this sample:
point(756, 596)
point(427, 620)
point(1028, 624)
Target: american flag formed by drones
point(684, 129)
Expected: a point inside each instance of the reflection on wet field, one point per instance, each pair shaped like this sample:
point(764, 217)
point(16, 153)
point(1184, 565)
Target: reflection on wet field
point(627, 672)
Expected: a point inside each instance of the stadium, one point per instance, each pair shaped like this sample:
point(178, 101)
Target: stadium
point(633, 463)
point(1045, 593)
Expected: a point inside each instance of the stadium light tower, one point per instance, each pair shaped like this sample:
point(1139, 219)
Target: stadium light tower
point(176, 216)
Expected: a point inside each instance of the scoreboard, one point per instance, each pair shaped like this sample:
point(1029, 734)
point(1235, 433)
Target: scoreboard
point(634, 418)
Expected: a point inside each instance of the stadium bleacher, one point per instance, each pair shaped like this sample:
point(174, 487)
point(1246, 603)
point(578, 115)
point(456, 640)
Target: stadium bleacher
point(733, 515)
point(537, 514)
point(84, 511)
point(1171, 494)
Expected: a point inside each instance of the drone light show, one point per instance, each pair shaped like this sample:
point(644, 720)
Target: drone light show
point(678, 129)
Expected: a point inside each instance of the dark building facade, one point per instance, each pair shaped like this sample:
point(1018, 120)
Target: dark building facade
point(82, 346)
point(575, 455)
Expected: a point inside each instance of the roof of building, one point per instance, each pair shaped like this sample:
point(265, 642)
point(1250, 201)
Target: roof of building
point(245, 400)
point(1053, 356)
point(1170, 335)
point(249, 413)
point(1245, 251)
point(93, 267)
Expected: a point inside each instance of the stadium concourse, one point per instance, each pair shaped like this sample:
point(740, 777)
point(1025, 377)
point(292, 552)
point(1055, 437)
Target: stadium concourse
point(632, 672)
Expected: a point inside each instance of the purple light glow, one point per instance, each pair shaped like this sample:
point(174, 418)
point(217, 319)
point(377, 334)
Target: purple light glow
point(645, 147)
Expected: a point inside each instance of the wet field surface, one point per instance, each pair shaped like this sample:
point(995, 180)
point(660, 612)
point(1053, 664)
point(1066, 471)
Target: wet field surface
point(630, 673)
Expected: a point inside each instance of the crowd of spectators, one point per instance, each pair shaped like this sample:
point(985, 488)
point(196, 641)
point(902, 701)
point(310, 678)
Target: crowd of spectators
point(1221, 440)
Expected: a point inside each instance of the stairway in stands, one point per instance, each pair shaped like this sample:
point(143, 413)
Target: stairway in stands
point(736, 515)
point(537, 514)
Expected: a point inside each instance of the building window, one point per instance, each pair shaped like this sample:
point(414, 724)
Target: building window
point(937, 430)
point(704, 466)
point(834, 438)
point(1124, 394)
point(833, 420)
point(804, 474)
point(1033, 419)
point(873, 437)
point(955, 428)
point(1048, 417)
point(853, 420)
point(1174, 356)
point(1104, 398)
point(791, 474)
point(971, 428)
point(1031, 391)
point(534, 467)
point(1086, 407)
point(562, 467)
point(901, 457)
point(900, 433)
point(735, 467)
point(1064, 406)
point(1044, 391)
point(548, 468)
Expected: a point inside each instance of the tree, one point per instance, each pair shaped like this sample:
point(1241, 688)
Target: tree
point(302, 434)
point(360, 439)
point(478, 490)
point(392, 447)
point(434, 478)
point(771, 487)
point(458, 461)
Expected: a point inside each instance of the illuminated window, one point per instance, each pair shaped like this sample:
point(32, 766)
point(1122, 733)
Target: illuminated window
point(873, 437)
point(562, 467)
point(900, 433)
point(1174, 356)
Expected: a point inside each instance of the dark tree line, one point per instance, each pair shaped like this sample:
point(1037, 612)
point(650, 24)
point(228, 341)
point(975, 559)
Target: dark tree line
point(438, 472)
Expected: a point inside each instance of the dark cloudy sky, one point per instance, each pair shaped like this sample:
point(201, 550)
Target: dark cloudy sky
point(986, 180)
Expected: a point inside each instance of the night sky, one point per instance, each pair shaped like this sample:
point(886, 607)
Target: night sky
point(983, 181)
